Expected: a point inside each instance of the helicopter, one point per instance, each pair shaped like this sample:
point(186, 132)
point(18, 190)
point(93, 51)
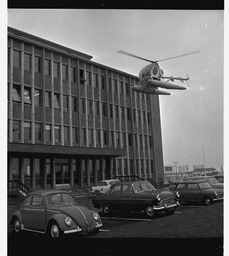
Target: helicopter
point(152, 76)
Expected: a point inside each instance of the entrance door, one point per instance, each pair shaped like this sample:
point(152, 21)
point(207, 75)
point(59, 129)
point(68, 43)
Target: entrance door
point(62, 173)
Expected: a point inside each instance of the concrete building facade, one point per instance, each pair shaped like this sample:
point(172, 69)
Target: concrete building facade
point(72, 121)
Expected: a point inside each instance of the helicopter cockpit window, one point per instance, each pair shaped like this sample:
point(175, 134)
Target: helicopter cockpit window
point(155, 70)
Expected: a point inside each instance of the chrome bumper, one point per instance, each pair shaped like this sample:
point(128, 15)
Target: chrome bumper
point(157, 208)
point(80, 229)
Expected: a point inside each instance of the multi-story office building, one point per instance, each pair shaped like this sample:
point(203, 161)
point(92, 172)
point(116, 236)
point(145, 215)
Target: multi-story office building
point(74, 121)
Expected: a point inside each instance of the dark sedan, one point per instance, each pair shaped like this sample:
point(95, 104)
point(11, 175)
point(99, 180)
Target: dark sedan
point(136, 196)
point(197, 192)
point(54, 213)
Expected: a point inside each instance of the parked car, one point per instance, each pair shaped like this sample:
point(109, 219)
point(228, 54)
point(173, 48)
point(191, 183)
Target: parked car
point(104, 185)
point(54, 212)
point(197, 192)
point(136, 196)
point(210, 179)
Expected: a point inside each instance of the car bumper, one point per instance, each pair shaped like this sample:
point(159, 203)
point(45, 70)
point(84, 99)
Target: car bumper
point(161, 208)
point(218, 199)
point(77, 230)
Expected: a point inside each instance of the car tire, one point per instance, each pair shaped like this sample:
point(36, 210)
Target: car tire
point(149, 211)
point(207, 200)
point(106, 209)
point(54, 231)
point(17, 226)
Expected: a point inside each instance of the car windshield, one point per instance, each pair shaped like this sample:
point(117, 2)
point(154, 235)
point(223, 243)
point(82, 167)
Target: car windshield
point(143, 187)
point(58, 198)
point(204, 185)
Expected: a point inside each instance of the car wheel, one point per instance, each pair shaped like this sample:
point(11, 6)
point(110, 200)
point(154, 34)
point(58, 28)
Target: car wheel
point(207, 200)
point(17, 226)
point(106, 209)
point(149, 211)
point(54, 230)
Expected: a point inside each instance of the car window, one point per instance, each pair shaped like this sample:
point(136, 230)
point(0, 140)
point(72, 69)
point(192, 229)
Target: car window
point(204, 185)
point(212, 181)
point(193, 186)
point(143, 187)
point(102, 183)
point(67, 198)
point(26, 201)
point(116, 190)
point(37, 202)
point(126, 189)
point(181, 186)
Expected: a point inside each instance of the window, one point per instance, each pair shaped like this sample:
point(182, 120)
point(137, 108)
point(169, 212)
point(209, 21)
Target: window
point(193, 187)
point(134, 115)
point(116, 112)
point(64, 72)
point(48, 67)
point(27, 131)
point(124, 139)
point(129, 140)
point(116, 190)
point(122, 113)
point(150, 141)
point(37, 98)
point(56, 101)
point(88, 78)
point(105, 138)
point(90, 136)
point(37, 64)
point(56, 69)
point(84, 135)
point(16, 59)
point(48, 133)
point(117, 139)
point(127, 89)
point(121, 87)
point(57, 133)
point(115, 85)
point(128, 111)
point(66, 134)
point(27, 95)
point(37, 202)
point(144, 116)
point(82, 105)
point(104, 109)
point(27, 61)
point(65, 103)
point(48, 99)
point(16, 93)
point(73, 74)
point(97, 108)
point(95, 80)
point(102, 80)
point(82, 78)
point(112, 138)
point(16, 130)
point(136, 140)
point(181, 187)
point(98, 138)
point(74, 104)
point(139, 116)
point(90, 107)
point(148, 118)
point(109, 84)
point(38, 134)
point(75, 135)
point(111, 110)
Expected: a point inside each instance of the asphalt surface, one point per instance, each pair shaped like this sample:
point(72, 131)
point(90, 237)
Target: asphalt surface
point(192, 230)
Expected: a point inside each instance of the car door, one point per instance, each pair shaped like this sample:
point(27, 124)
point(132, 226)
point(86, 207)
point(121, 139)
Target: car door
point(127, 198)
point(112, 199)
point(182, 189)
point(36, 215)
point(194, 193)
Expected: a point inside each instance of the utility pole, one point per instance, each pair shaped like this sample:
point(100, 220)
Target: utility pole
point(204, 160)
point(176, 163)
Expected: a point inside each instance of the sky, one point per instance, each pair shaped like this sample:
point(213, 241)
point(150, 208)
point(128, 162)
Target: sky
point(192, 120)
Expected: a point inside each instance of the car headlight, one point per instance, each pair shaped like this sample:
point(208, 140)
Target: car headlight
point(177, 194)
point(158, 198)
point(69, 221)
point(96, 216)
point(216, 193)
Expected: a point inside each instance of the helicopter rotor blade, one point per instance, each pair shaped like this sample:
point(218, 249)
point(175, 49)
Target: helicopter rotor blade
point(178, 56)
point(135, 56)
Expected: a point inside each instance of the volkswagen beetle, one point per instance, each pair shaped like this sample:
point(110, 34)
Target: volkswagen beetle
point(55, 213)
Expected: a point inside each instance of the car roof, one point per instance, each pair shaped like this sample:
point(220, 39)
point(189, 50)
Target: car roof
point(109, 180)
point(132, 182)
point(191, 181)
point(46, 192)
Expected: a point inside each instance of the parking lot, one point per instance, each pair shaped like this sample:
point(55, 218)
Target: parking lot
point(191, 229)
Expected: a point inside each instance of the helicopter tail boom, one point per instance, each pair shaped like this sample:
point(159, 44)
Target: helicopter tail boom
point(148, 90)
point(166, 85)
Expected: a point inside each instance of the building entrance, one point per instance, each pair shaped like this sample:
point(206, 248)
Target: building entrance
point(62, 173)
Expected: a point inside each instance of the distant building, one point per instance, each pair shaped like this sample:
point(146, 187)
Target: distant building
point(72, 121)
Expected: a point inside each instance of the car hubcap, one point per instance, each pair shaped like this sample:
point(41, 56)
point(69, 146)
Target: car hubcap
point(17, 226)
point(55, 231)
point(149, 211)
point(207, 201)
